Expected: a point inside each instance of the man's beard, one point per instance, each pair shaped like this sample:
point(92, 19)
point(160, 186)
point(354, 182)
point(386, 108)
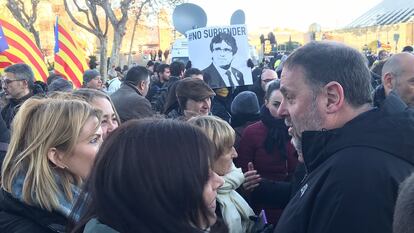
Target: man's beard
point(312, 120)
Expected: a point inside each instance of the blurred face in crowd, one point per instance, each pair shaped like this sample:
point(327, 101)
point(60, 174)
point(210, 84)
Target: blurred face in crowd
point(268, 75)
point(80, 161)
point(223, 164)
point(201, 107)
point(13, 87)
point(109, 122)
point(404, 84)
point(222, 55)
point(151, 68)
point(95, 83)
point(300, 107)
point(210, 195)
point(165, 76)
point(144, 87)
point(383, 55)
point(197, 76)
point(274, 102)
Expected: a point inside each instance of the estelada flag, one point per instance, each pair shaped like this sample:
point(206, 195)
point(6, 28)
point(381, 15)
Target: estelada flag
point(70, 60)
point(17, 46)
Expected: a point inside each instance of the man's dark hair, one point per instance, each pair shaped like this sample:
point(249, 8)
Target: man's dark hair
point(176, 68)
point(161, 68)
point(22, 71)
point(324, 62)
point(192, 71)
point(150, 63)
point(226, 37)
point(408, 49)
point(137, 74)
point(52, 77)
point(404, 208)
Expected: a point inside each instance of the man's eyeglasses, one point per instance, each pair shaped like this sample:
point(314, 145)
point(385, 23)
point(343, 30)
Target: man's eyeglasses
point(8, 81)
point(222, 50)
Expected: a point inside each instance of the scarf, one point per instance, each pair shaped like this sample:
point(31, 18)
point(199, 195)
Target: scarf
point(65, 206)
point(277, 133)
point(234, 208)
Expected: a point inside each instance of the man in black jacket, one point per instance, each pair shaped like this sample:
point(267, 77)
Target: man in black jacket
point(355, 156)
point(17, 85)
point(4, 139)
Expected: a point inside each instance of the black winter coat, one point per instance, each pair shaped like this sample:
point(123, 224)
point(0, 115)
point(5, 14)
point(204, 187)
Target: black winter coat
point(353, 174)
point(17, 217)
point(4, 139)
point(11, 109)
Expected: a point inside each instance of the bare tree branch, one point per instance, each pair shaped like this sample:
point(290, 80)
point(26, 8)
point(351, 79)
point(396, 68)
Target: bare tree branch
point(26, 19)
point(94, 27)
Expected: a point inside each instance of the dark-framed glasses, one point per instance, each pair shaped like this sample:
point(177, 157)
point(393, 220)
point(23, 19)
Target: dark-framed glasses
point(7, 81)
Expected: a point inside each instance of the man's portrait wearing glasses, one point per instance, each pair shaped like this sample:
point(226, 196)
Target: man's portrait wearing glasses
point(220, 73)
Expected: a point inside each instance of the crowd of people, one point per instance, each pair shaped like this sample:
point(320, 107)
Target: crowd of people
point(320, 142)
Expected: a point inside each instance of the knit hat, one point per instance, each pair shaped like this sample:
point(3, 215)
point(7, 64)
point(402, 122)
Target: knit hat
point(194, 89)
point(60, 84)
point(245, 103)
point(88, 75)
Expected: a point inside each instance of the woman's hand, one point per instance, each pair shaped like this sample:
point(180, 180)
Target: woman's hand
point(251, 178)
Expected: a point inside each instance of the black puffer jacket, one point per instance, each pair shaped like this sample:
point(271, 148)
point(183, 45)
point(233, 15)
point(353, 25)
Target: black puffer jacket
point(4, 139)
point(12, 107)
point(354, 173)
point(17, 217)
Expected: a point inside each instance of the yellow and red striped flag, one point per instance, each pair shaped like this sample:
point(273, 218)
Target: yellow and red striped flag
point(70, 60)
point(18, 46)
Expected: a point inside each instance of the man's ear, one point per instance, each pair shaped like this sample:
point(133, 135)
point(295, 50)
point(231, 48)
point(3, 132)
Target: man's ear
point(335, 97)
point(56, 157)
point(388, 82)
point(26, 83)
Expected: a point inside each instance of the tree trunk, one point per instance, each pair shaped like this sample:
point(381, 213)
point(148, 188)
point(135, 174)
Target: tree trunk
point(102, 56)
point(37, 38)
point(132, 41)
point(119, 33)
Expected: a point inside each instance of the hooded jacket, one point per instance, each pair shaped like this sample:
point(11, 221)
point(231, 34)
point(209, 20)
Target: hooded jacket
point(353, 173)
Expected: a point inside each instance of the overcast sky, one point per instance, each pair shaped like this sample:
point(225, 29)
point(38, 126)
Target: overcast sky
point(295, 14)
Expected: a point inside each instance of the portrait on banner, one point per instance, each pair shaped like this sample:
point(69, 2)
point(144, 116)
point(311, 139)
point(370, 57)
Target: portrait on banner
point(222, 54)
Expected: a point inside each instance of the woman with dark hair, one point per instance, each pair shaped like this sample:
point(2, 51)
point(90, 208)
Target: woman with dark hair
point(151, 176)
point(266, 144)
point(193, 97)
point(101, 101)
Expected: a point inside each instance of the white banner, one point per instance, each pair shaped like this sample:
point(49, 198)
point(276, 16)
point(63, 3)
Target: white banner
point(222, 54)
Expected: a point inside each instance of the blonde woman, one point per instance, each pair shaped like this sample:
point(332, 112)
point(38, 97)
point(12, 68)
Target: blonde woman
point(51, 151)
point(233, 209)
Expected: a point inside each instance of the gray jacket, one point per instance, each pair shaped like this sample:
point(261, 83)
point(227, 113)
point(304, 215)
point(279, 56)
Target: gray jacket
point(130, 104)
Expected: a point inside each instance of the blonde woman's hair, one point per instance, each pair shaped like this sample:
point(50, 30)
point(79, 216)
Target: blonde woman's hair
point(218, 130)
point(39, 125)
